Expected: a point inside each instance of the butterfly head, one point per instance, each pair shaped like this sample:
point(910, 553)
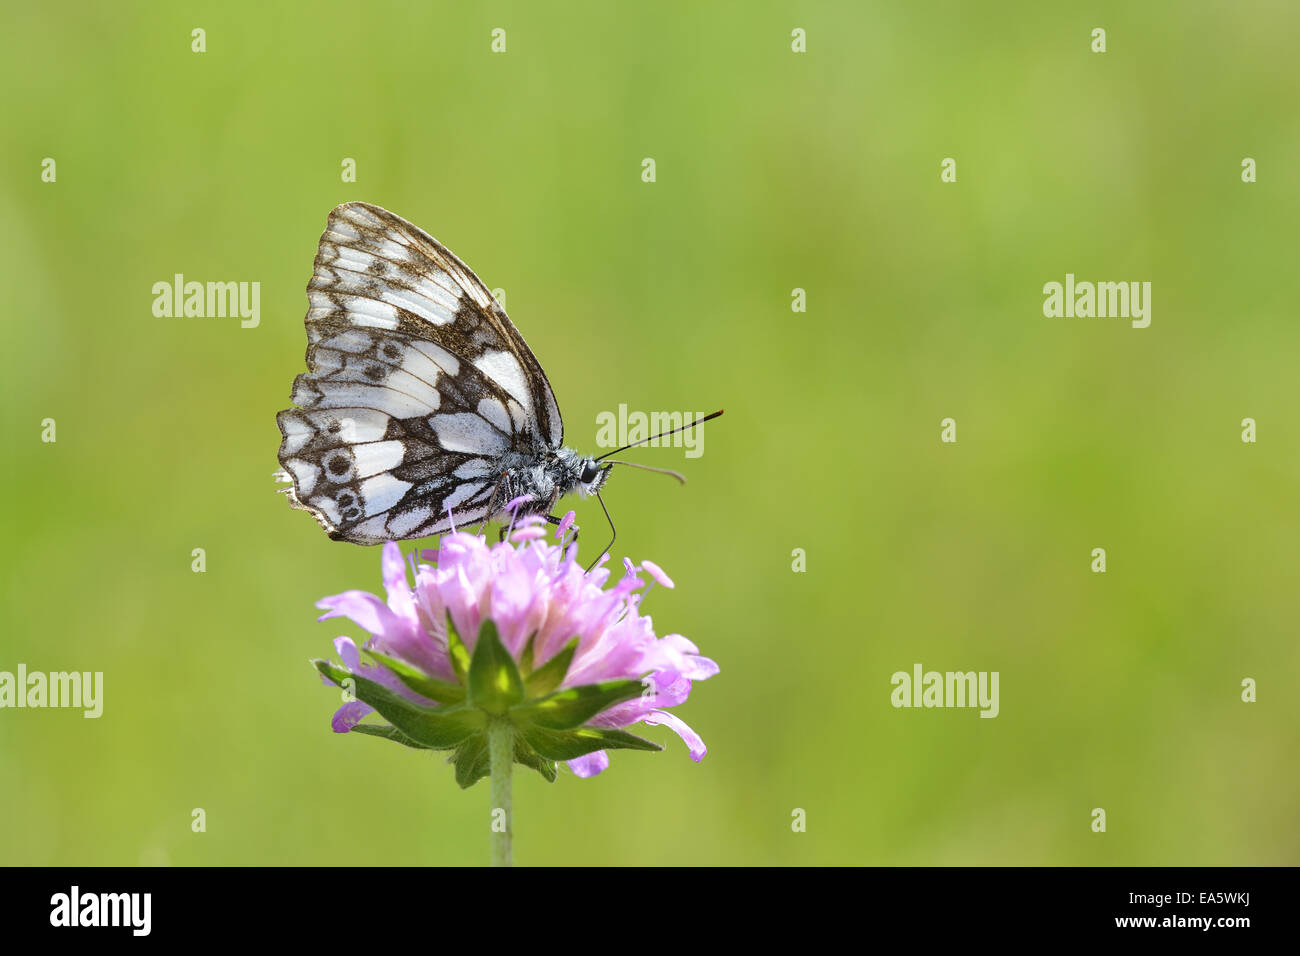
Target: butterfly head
point(569, 471)
point(592, 477)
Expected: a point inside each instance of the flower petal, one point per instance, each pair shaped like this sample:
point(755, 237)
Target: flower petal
point(590, 764)
point(347, 652)
point(349, 715)
point(400, 601)
point(393, 567)
point(676, 652)
point(680, 727)
point(361, 607)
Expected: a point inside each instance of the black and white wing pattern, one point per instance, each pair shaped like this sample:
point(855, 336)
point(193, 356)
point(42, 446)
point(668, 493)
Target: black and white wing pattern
point(419, 391)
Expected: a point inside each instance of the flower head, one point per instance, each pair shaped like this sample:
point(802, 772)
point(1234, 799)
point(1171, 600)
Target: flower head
point(515, 631)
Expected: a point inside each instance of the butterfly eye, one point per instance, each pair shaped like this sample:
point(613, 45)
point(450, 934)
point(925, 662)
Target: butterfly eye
point(589, 473)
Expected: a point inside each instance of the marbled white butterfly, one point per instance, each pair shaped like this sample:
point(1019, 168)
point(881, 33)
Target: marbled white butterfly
point(422, 408)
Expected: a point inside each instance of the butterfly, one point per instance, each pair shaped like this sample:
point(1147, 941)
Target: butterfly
point(422, 408)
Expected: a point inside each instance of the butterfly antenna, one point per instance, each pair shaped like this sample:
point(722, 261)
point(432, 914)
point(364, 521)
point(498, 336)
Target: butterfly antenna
point(673, 431)
point(663, 471)
point(613, 533)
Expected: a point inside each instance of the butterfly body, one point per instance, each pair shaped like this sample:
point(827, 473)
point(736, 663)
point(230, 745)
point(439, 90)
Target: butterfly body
point(422, 408)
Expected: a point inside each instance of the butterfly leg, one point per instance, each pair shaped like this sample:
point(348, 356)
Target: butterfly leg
point(491, 507)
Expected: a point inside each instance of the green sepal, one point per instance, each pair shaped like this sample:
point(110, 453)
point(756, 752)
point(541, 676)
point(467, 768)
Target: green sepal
point(529, 757)
point(434, 727)
point(418, 681)
point(574, 706)
point(472, 760)
point(393, 734)
point(570, 744)
point(551, 674)
point(494, 682)
point(457, 652)
point(526, 658)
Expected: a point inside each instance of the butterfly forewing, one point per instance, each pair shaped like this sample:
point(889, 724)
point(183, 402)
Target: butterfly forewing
point(418, 386)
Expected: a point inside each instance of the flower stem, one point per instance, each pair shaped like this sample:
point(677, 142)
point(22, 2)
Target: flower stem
point(501, 753)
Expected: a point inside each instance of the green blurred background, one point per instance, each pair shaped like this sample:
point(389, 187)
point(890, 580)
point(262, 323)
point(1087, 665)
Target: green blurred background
point(775, 170)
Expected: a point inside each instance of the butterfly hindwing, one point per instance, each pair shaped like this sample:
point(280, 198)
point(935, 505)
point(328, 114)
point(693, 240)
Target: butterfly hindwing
point(418, 387)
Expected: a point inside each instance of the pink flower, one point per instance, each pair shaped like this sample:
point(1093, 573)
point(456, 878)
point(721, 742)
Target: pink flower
point(540, 600)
